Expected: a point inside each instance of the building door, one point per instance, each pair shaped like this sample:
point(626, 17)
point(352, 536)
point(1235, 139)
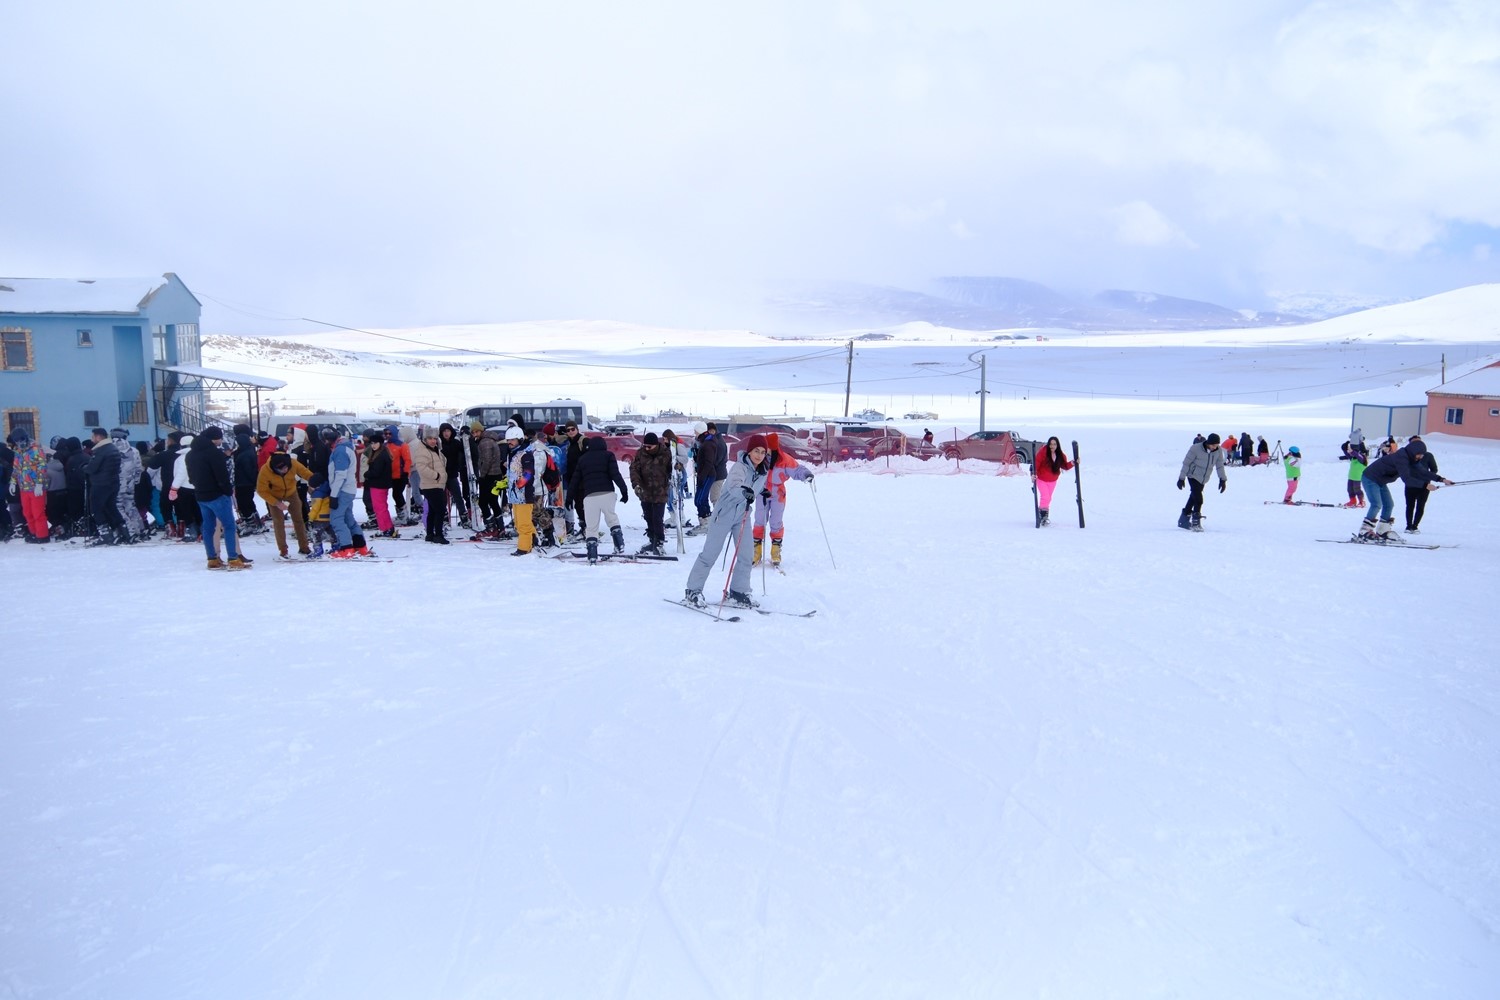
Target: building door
point(130, 377)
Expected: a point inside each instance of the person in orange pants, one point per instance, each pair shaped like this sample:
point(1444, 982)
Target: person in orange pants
point(768, 513)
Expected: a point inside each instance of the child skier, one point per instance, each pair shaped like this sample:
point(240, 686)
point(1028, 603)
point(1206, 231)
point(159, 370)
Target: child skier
point(1358, 460)
point(1293, 464)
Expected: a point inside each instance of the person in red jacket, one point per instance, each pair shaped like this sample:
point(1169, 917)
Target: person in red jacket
point(1049, 463)
point(768, 513)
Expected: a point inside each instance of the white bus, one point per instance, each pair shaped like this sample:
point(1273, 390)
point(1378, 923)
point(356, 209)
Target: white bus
point(534, 415)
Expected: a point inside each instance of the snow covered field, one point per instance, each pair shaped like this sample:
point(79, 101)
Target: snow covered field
point(1127, 761)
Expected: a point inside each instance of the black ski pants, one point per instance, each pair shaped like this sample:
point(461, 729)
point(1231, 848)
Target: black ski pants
point(1416, 505)
point(1194, 506)
point(655, 527)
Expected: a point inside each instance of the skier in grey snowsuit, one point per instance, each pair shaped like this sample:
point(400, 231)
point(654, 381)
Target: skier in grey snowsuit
point(130, 475)
point(746, 480)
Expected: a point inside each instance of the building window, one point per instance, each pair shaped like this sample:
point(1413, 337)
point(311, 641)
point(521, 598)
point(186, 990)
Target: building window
point(188, 350)
point(1455, 415)
point(159, 344)
point(85, 338)
point(91, 418)
point(1495, 413)
point(27, 418)
point(15, 350)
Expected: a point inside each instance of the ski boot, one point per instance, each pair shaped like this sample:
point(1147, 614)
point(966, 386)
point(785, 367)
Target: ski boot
point(617, 535)
point(1366, 532)
point(756, 560)
point(1185, 521)
point(1387, 533)
point(694, 598)
point(1045, 522)
point(739, 599)
point(776, 552)
point(593, 547)
point(1197, 524)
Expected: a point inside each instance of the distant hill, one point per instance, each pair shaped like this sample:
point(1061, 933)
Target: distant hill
point(994, 303)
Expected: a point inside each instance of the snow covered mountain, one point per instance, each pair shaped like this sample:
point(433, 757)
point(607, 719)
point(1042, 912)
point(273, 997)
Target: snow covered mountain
point(996, 303)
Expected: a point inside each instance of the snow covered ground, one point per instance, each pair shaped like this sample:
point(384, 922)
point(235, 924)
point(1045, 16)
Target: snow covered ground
point(1126, 761)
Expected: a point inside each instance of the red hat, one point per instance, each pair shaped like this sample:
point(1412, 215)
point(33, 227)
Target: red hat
point(756, 441)
point(773, 441)
point(549, 429)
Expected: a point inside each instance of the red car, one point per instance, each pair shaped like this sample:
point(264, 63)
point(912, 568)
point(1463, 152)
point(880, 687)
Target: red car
point(990, 446)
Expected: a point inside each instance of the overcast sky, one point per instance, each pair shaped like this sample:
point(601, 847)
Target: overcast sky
point(381, 163)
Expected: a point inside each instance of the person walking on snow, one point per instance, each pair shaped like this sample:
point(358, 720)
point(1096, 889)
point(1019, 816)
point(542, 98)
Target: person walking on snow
point(1293, 464)
point(1202, 460)
point(29, 477)
point(770, 510)
point(651, 476)
point(1397, 463)
point(430, 470)
point(276, 484)
point(731, 518)
point(522, 487)
point(348, 535)
point(209, 470)
point(1050, 463)
point(596, 476)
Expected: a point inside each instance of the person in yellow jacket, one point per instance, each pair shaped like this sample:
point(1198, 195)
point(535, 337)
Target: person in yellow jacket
point(277, 486)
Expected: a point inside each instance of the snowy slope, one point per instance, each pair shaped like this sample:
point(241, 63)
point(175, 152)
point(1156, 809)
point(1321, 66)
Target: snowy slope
point(1127, 761)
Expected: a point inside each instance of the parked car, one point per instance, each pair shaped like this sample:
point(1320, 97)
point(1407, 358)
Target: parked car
point(991, 446)
point(919, 415)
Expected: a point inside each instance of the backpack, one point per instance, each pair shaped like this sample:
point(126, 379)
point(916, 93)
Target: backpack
point(550, 476)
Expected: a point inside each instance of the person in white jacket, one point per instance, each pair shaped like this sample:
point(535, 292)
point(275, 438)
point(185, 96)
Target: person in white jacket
point(183, 497)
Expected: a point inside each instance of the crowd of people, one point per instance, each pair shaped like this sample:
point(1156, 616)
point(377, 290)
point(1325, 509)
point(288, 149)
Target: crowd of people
point(538, 487)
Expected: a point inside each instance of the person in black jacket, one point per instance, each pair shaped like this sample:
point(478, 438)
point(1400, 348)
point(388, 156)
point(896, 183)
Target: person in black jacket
point(104, 490)
point(209, 469)
point(246, 469)
point(7, 462)
point(165, 462)
point(575, 440)
point(595, 478)
point(1396, 463)
point(1416, 496)
point(458, 471)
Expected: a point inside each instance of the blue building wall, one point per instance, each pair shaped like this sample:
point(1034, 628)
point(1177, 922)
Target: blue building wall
point(67, 379)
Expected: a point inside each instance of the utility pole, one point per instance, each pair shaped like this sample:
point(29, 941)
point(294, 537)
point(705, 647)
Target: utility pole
point(848, 379)
point(983, 392)
point(1445, 368)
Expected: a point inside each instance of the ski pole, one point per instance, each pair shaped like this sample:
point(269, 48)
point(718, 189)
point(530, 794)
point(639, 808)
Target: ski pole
point(738, 537)
point(814, 485)
point(1471, 482)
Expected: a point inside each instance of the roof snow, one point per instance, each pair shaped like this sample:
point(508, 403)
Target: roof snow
point(68, 296)
point(1484, 382)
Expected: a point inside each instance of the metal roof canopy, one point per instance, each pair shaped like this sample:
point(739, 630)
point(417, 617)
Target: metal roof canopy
point(186, 414)
point(212, 378)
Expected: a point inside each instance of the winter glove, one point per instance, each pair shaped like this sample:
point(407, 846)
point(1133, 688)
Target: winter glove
point(333, 502)
point(809, 477)
point(749, 494)
point(624, 496)
point(765, 495)
point(1181, 483)
point(1222, 484)
point(41, 491)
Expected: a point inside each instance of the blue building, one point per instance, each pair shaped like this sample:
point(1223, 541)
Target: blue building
point(115, 352)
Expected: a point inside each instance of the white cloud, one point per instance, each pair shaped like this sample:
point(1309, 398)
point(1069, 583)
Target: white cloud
point(1138, 224)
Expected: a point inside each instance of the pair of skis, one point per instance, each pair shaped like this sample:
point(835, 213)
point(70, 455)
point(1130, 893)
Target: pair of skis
point(1304, 503)
point(713, 613)
point(1036, 500)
